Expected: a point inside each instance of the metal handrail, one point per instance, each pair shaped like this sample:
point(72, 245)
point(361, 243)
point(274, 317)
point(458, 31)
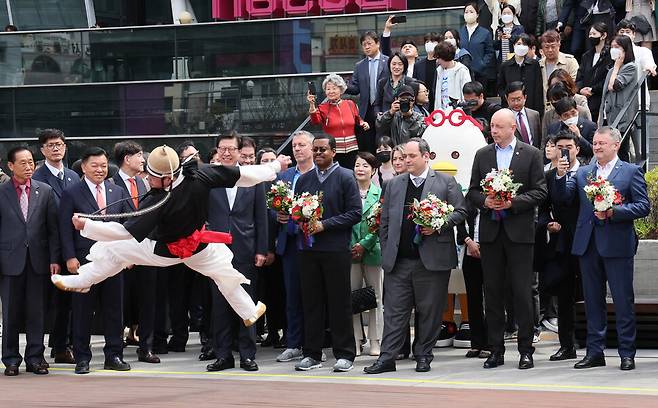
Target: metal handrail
point(642, 113)
point(300, 127)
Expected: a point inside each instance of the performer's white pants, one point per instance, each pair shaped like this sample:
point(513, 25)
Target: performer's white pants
point(110, 258)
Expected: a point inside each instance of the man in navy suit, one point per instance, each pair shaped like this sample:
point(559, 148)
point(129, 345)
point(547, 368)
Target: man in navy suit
point(58, 177)
point(367, 74)
point(140, 283)
point(242, 212)
point(606, 243)
point(570, 121)
point(88, 195)
point(29, 250)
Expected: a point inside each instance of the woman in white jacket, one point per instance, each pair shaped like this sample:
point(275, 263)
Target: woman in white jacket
point(450, 77)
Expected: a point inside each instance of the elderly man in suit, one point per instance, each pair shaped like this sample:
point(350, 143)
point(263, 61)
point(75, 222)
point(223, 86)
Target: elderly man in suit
point(367, 73)
point(58, 177)
point(606, 243)
point(415, 275)
point(528, 122)
point(29, 250)
point(91, 194)
point(506, 242)
point(241, 211)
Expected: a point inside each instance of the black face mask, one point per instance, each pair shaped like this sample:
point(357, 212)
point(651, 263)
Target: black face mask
point(594, 41)
point(384, 157)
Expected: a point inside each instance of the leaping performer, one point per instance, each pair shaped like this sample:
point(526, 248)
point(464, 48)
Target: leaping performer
point(170, 229)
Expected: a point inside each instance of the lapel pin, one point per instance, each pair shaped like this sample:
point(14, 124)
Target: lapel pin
point(517, 153)
point(109, 189)
point(36, 192)
point(68, 178)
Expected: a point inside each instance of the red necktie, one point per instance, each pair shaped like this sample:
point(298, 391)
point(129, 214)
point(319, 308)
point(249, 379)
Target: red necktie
point(523, 130)
point(133, 192)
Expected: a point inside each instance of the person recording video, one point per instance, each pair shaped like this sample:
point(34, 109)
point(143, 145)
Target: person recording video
point(476, 105)
point(401, 122)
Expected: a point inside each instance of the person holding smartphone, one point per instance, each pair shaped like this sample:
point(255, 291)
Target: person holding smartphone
point(401, 122)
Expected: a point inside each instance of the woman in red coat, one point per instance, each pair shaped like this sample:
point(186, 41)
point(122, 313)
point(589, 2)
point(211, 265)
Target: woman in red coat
point(339, 118)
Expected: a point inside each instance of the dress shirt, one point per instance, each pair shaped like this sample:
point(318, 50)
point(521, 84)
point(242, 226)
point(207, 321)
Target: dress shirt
point(125, 179)
point(504, 155)
point(92, 188)
point(17, 187)
point(323, 174)
point(418, 180)
point(524, 115)
point(373, 69)
point(604, 171)
point(56, 172)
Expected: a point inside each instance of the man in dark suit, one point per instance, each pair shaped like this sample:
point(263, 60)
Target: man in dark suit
point(416, 275)
point(29, 250)
point(570, 121)
point(606, 243)
point(58, 177)
point(140, 282)
point(87, 196)
point(241, 211)
point(367, 73)
point(528, 122)
point(506, 241)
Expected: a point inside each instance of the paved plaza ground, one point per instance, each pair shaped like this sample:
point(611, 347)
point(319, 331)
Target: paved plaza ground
point(182, 381)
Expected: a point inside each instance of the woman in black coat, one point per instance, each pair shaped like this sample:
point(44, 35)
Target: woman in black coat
point(522, 68)
point(591, 75)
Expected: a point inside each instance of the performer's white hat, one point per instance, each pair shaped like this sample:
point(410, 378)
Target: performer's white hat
point(162, 162)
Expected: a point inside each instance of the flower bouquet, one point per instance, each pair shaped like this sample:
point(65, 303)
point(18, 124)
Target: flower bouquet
point(373, 219)
point(602, 194)
point(306, 210)
point(430, 212)
point(499, 185)
point(279, 197)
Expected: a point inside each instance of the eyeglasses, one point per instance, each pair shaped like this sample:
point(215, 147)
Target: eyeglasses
point(53, 146)
point(229, 149)
point(319, 149)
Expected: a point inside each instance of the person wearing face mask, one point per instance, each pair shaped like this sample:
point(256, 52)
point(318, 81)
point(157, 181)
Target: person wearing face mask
point(385, 171)
point(506, 32)
point(410, 51)
point(451, 36)
point(425, 68)
point(524, 69)
point(479, 42)
point(595, 64)
point(570, 121)
point(450, 77)
point(400, 121)
point(556, 92)
point(497, 6)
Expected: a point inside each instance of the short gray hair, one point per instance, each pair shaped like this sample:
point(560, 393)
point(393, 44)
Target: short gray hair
point(614, 133)
point(308, 135)
point(423, 146)
point(336, 80)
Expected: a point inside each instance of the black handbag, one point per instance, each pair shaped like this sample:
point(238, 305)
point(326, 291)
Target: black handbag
point(642, 25)
point(363, 299)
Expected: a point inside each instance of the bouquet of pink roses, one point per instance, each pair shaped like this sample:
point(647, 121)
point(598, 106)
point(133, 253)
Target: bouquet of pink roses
point(430, 212)
point(499, 185)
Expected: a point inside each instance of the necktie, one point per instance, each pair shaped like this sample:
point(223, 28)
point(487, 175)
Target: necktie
point(523, 130)
point(100, 199)
point(133, 192)
point(418, 181)
point(23, 201)
point(373, 80)
point(60, 175)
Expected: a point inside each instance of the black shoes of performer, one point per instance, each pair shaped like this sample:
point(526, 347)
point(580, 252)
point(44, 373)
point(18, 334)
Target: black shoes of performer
point(495, 359)
point(221, 364)
point(147, 357)
point(590, 361)
point(564, 353)
point(627, 364)
point(525, 361)
point(82, 367)
point(11, 371)
point(422, 365)
point(380, 367)
point(116, 363)
point(248, 365)
point(64, 357)
point(38, 369)
point(207, 355)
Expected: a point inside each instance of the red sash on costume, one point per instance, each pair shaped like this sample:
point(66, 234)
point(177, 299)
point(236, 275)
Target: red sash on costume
point(185, 247)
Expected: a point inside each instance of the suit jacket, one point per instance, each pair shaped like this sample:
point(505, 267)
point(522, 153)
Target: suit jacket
point(587, 129)
point(593, 75)
point(44, 175)
point(530, 74)
point(282, 232)
point(360, 82)
point(615, 237)
point(246, 221)
point(77, 198)
point(480, 45)
point(528, 169)
point(437, 251)
point(534, 122)
point(564, 213)
point(141, 188)
point(36, 237)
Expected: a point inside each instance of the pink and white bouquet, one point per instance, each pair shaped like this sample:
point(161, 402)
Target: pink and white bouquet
point(306, 210)
point(499, 185)
point(602, 194)
point(280, 196)
point(430, 212)
point(373, 219)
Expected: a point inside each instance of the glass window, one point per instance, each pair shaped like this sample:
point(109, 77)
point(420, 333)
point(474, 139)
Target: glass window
point(48, 14)
point(4, 17)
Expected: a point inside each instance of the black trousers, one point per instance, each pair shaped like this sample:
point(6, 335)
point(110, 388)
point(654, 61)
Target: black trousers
point(504, 261)
point(60, 335)
point(23, 299)
point(227, 325)
point(566, 299)
point(272, 289)
point(367, 139)
point(325, 283)
point(140, 287)
point(474, 281)
point(109, 294)
point(174, 287)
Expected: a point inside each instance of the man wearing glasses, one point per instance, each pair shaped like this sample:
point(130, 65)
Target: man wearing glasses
point(554, 59)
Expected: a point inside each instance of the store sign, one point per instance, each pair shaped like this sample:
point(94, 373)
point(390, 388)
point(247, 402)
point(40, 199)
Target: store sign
point(245, 9)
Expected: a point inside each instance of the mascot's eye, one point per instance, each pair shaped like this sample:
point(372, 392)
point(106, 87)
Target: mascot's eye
point(455, 155)
point(432, 155)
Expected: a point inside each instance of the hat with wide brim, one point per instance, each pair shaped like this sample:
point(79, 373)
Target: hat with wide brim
point(162, 162)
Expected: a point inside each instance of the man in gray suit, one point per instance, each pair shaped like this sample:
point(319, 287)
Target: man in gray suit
point(29, 250)
point(416, 276)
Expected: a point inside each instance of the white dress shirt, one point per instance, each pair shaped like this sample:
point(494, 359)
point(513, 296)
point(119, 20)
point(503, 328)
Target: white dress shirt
point(524, 115)
point(604, 171)
point(418, 180)
point(55, 170)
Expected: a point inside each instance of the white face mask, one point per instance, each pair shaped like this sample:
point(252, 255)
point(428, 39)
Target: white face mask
point(470, 18)
point(507, 18)
point(451, 41)
point(615, 53)
point(429, 46)
point(571, 121)
point(521, 50)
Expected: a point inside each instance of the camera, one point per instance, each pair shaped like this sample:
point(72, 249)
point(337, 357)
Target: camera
point(405, 105)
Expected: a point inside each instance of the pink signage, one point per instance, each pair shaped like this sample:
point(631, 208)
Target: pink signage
point(246, 9)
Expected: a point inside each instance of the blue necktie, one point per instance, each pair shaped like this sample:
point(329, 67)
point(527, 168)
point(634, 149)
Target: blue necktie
point(373, 80)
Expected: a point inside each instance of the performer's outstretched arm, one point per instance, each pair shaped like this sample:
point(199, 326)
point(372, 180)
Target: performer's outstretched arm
point(99, 230)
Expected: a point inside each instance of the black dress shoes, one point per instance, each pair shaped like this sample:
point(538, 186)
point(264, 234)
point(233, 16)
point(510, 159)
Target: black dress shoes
point(590, 361)
point(147, 357)
point(207, 355)
point(11, 371)
point(472, 353)
point(82, 367)
point(248, 365)
point(525, 361)
point(422, 365)
point(160, 349)
point(494, 360)
point(380, 367)
point(116, 363)
point(176, 348)
point(221, 364)
point(64, 357)
point(564, 353)
point(38, 369)
point(627, 364)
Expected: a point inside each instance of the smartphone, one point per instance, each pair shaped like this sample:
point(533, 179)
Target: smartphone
point(399, 19)
point(311, 88)
point(565, 154)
